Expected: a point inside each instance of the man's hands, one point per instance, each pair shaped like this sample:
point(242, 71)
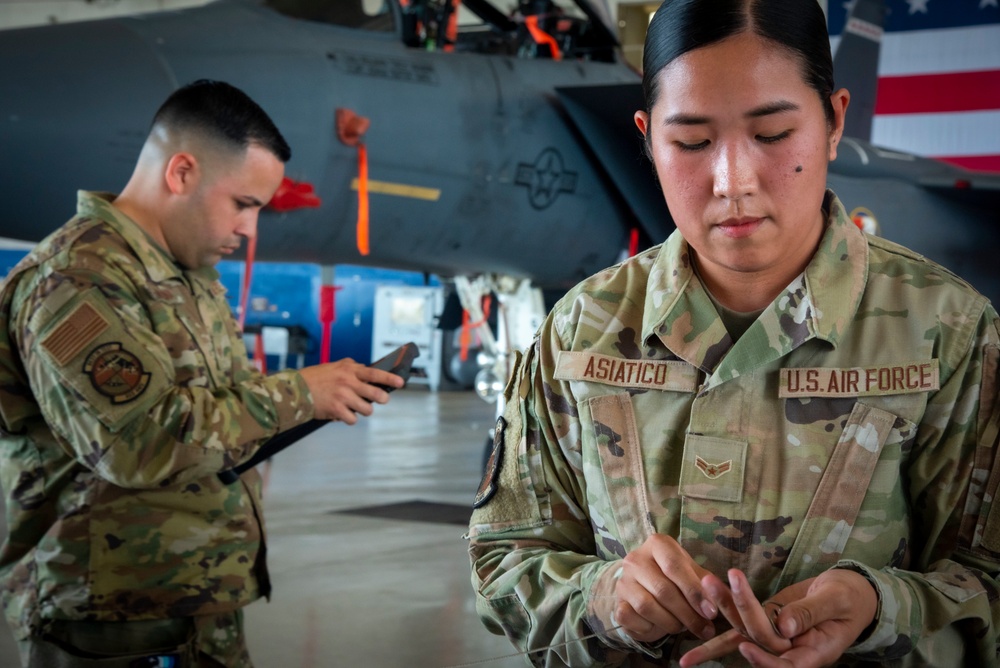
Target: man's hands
point(806, 625)
point(343, 389)
point(660, 593)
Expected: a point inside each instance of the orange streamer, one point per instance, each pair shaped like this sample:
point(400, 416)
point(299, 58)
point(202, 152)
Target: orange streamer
point(451, 31)
point(363, 246)
point(465, 336)
point(542, 37)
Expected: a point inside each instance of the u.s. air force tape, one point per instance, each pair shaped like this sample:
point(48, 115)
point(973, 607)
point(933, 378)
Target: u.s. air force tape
point(670, 375)
point(872, 381)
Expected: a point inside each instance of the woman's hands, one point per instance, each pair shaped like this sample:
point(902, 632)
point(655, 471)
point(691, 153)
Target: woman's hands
point(806, 625)
point(660, 593)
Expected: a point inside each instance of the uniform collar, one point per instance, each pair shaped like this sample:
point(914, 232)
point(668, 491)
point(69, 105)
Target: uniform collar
point(819, 303)
point(158, 264)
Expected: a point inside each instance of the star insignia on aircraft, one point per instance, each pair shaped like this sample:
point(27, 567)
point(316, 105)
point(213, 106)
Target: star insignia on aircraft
point(918, 6)
point(545, 178)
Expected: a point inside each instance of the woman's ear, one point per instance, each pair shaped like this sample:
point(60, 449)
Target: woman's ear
point(642, 121)
point(839, 101)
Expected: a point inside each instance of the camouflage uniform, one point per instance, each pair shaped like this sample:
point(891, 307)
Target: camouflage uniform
point(853, 425)
point(124, 389)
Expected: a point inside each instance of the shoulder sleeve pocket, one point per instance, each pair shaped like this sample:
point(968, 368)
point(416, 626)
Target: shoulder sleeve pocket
point(86, 351)
point(507, 497)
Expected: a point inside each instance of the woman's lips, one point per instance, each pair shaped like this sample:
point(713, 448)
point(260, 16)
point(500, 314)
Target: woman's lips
point(738, 228)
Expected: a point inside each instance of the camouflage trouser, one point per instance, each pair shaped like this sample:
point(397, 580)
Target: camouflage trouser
point(210, 641)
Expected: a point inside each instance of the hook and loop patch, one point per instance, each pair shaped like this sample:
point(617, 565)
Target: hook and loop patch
point(488, 486)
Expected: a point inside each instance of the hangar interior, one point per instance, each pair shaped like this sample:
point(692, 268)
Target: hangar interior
point(365, 523)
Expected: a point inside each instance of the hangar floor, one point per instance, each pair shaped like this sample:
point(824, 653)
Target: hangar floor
point(366, 553)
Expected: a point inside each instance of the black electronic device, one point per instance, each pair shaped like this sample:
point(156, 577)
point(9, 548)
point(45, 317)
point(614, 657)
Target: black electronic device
point(399, 362)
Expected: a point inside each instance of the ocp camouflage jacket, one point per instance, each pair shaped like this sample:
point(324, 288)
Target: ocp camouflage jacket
point(124, 389)
point(853, 425)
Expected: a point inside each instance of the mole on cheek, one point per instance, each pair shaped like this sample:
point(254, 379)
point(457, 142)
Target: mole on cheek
point(799, 168)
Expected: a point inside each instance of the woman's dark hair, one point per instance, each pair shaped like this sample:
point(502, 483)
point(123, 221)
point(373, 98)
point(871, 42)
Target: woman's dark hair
point(224, 112)
point(799, 26)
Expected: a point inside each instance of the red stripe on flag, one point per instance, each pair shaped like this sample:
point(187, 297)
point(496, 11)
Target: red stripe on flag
point(979, 163)
point(939, 93)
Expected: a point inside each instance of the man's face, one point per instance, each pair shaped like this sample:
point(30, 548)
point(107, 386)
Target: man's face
point(222, 209)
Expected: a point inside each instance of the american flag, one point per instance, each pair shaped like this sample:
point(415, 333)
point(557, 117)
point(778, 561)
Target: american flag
point(939, 79)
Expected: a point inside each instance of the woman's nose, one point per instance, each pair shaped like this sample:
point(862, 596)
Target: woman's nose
point(735, 174)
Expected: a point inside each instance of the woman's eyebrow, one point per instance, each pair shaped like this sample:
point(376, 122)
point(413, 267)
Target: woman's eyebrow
point(685, 119)
point(772, 108)
point(758, 112)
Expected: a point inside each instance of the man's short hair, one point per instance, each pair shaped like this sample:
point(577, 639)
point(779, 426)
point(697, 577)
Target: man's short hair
point(224, 112)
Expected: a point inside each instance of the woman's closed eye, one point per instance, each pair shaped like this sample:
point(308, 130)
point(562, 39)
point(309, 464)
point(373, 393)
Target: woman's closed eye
point(689, 146)
point(773, 139)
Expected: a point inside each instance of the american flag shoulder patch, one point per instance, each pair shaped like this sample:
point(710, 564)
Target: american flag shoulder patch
point(70, 337)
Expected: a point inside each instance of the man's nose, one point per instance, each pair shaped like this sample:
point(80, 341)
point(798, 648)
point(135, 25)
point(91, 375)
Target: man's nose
point(248, 226)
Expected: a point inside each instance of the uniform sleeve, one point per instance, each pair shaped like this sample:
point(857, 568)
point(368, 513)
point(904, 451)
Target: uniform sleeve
point(535, 569)
point(948, 601)
point(107, 386)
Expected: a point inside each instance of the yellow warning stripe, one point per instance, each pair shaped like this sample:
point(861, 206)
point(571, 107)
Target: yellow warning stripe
point(401, 190)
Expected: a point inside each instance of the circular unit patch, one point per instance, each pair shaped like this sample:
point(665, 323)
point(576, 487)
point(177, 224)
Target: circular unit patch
point(116, 373)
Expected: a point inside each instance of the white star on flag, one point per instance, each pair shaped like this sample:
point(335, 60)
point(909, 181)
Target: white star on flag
point(983, 4)
point(918, 6)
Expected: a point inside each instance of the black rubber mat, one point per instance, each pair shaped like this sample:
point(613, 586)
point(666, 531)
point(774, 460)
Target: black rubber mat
point(415, 511)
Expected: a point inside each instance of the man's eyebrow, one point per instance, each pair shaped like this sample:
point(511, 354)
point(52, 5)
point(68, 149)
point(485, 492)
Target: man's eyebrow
point(758, 112)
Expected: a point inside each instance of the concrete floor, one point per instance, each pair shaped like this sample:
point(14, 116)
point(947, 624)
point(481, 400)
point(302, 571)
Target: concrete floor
point(356, 590)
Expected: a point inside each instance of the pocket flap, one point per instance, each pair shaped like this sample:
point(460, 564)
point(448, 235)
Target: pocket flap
point(713, 468)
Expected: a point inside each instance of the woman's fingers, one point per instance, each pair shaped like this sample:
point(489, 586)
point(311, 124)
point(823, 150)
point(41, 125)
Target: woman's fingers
point(722, 645)
point(659, 593)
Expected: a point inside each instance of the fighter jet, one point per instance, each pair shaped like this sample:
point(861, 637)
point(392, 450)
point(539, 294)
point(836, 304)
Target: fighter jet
point(503, 152)
point(474, 165)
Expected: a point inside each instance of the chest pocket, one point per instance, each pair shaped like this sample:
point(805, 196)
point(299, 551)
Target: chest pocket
point(622, 468)
point(193, 329)
point(853, 473)
point(713, 468)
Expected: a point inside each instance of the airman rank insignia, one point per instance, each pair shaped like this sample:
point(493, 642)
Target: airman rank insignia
point(713, 471)
point(713, 468)
point(116, 373)
point(488, 486)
